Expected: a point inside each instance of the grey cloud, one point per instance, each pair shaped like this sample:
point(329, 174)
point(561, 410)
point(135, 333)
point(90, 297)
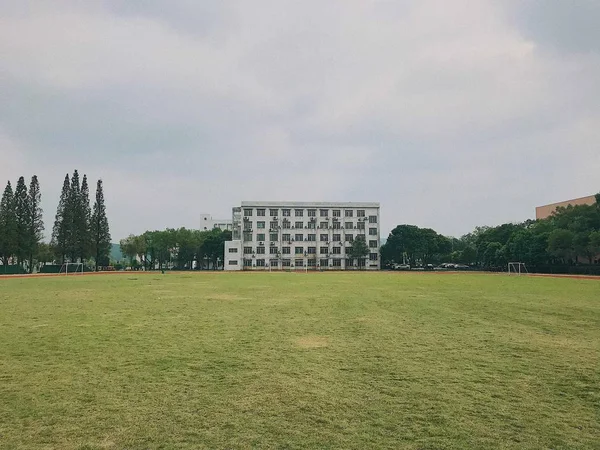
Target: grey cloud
point(450, 115)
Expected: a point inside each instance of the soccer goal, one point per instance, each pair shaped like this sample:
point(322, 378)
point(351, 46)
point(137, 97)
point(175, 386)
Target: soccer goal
point(71, 269)
point(517, 268)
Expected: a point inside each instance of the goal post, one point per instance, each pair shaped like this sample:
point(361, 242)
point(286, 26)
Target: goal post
point(517, 268)
point(71, 269)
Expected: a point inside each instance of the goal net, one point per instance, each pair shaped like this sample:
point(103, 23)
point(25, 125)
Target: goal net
point(71, 269)
point(517, 268)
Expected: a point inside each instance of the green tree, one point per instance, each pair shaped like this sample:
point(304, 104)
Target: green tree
point(99, 229)
point(84, 242)
point(21, 202)
point(560, 244)
point(359, 250)
point(61, 231)
point(73, 213)
point(8, 225)
point(35, 222)
point(44, 254)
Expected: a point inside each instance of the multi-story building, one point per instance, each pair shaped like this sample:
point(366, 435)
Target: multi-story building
point(208, 223)
point(542, 212)
point(302, 235)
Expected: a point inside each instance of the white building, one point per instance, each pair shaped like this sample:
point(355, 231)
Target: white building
point(301, 235)
point(208, 223)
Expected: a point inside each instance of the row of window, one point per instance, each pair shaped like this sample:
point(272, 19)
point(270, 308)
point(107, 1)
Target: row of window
point(310, 225)
point(286, 237)
point(299, 262)
point(274, 212)
point(288, 250)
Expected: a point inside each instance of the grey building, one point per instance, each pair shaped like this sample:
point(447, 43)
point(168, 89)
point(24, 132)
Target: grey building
point(302, 236)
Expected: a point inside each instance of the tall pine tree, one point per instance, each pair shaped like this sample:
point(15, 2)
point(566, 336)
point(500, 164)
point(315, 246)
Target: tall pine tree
point(22, 220)
point(8, 225)
point(100, 231)
point(35, 223)
point(84, 238)
point(74, 214)
point(61, 232)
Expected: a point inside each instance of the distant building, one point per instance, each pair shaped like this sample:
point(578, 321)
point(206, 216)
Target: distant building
point(302, 236)
point(542, 212)
point(208, 223)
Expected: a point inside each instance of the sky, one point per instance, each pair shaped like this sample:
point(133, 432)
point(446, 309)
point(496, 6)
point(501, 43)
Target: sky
point(450, 114)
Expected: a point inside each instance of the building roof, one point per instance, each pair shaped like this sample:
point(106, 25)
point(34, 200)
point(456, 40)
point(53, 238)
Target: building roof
point(311, 204)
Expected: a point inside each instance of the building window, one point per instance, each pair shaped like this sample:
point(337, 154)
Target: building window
point(360, 213)
point(312, 262)
point(260, 224)
point(312, 237)
point(273, 251)
point(299, 263)
point(274, 263)
point(336, 225)
point(260, 250)
point(247, 226)
point(299, 250)
point(372, 231)
point(233, 250)
point(248, 212)
point(323, 237)
point(348, 225)
point(323, 262)
point(260, 212)
point(247, 250)
point(323, 250)
point(286, 237)
point(260, 263)
point(360, 225)
point(287, 224)
point(286, 212)
point(286, 263)
point(372, 244)
point(312, 250)
point(349, 237)
point(260, 237)
point(337, 250)
point(273, 225)
point(372, 256)
point(299, 212)
point(285, 250)
point(298, 237)
point(247, 236)
point(247, 263)
point(233, 262)
point(337, 237)
point(372, 219)
point(299, 224)
point(311, 225)
point(349, 262)
point(348, 213)
point(337, 213)
point(273, 237)
point(337, 263)
point(323, 212)
point(312, 213)
point(323, 225)
point(273, 212)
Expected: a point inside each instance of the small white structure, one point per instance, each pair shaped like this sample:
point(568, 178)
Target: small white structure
point(302, 236)
point(207, 223)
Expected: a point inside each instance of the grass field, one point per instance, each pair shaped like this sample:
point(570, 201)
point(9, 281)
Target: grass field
point(357, 360)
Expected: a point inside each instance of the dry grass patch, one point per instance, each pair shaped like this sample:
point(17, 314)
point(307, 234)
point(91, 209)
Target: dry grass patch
point(312, 342)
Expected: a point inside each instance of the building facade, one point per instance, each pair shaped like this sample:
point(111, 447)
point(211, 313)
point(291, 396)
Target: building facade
point(543, 212)
point(302, 236)
point(208, 223)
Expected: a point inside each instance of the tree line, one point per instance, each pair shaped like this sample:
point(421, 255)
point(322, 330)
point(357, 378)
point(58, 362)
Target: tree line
point(176, 249)
point(569, 237)
point(79, 232)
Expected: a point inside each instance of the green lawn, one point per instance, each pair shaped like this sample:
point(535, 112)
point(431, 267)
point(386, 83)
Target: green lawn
point(247, 360)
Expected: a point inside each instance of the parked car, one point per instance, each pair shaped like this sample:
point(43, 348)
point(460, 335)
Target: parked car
point(401, 267)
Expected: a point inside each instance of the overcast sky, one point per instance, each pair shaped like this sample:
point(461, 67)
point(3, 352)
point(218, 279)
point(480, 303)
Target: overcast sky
point(451, 114)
